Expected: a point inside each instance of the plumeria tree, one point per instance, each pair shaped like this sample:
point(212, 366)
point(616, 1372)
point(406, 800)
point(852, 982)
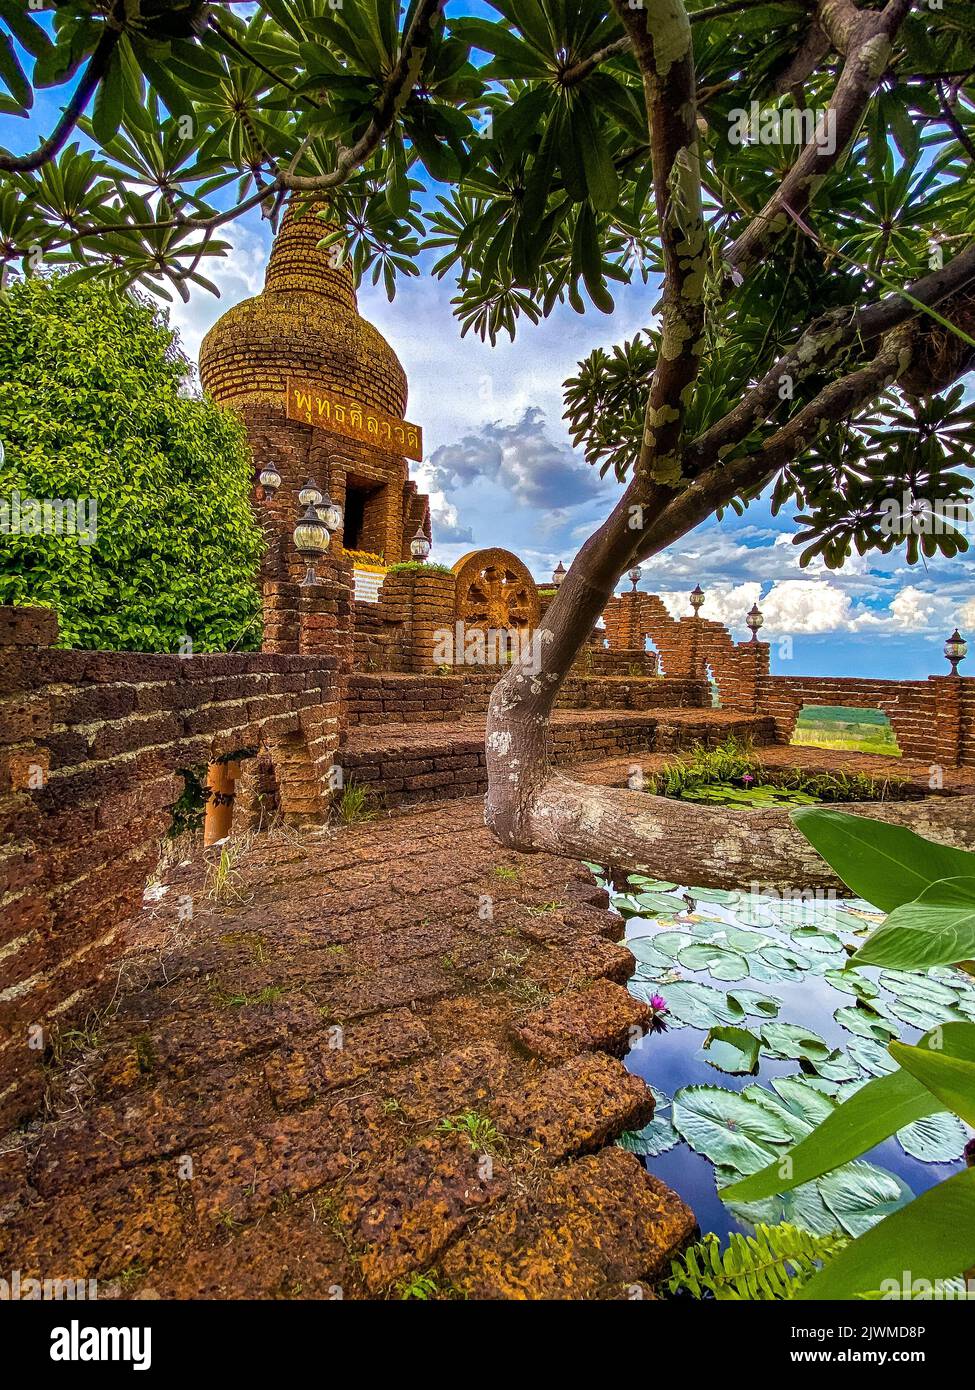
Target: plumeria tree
point(797, 174)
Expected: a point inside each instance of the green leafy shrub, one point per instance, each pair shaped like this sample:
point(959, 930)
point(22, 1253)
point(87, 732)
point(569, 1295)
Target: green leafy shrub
point(774, 1263)
point(94, 404)
point(418, 567)
point(928, 890)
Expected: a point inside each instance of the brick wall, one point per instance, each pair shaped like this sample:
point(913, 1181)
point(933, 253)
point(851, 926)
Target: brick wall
point(396, 698)
point(91, 744)
point(424, 762)
point(688, 646)
point(932, 719)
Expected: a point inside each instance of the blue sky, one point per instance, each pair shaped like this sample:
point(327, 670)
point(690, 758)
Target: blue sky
point(501, 470)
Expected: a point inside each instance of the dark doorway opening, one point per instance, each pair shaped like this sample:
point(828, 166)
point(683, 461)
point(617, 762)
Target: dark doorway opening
point(355, 515)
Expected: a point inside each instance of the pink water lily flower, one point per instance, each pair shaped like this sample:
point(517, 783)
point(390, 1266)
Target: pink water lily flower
point(658, 1007)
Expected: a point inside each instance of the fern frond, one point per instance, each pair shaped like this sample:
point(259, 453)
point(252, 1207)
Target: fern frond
point(772, 1264)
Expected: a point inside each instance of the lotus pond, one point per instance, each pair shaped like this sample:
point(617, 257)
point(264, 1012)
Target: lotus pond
point(765, 1031)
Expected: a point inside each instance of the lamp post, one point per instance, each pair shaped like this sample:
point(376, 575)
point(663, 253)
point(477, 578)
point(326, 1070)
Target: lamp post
point(311, 540)
point(754, 618)
point(634, 576)
point(956, 649)
point(697, 598)
point(270, 480)
point(420, 546)
point(558, 574)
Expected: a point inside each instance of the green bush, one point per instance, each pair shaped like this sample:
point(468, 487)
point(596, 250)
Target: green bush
point(94, 404)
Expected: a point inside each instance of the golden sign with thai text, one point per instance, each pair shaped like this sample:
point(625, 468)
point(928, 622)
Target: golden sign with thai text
point(317, 405)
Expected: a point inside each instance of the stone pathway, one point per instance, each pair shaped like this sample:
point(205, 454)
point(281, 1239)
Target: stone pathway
point(327, 1074)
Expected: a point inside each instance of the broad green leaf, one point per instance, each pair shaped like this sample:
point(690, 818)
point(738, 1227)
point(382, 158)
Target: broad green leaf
point(885, 864)
point(107, 112)
point(933, 1237)
point(937, 928)
point(949, 1072)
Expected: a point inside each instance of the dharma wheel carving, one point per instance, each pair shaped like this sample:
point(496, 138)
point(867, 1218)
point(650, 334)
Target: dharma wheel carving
point(494, 590)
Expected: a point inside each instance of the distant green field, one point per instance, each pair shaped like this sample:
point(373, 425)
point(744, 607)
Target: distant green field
point(845, 730)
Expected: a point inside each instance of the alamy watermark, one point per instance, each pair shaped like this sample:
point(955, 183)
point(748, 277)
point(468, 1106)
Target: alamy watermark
point(782, 125)
point(49, 516)
point(909, 515)
point(461, 645)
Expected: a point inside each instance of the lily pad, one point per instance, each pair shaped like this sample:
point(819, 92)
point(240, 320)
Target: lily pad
point(728, 1129)
point(865, 1024)
point(915, 987)
point(647, 953)
point(852, 982)
point(792, 1041)
point(922, 1013)
point(803, 1206)
point(860, 1194)
point(936, 1138)
point(872, 1056)
point(670, 942)
point(656, 1137)
point(803, 1098)
point(838, 1066)
point(761, 1005)
point(657, 885)
point(732, 1050)
point(815, 939)
point(655, 904)
point(722, 964)
point(776, 964)
point(700, 1006)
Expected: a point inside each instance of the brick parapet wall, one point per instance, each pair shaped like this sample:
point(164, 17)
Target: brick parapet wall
point(688, 646)
point(432, 763)
point(932, 719)
point(91, 745)
point(391, 698)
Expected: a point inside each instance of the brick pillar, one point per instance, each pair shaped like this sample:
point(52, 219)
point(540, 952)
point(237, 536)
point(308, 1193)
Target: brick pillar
point(694, 657)
point(26, 917)
point(947, 719)
point(421, 602)
point(751, 666)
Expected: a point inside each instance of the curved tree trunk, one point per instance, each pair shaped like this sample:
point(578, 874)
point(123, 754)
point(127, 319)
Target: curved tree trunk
point(678, 482)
